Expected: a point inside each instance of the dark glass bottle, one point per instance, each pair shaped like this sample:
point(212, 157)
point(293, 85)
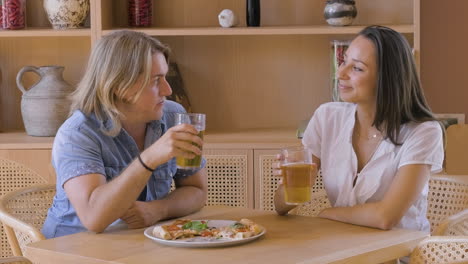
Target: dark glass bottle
point(253, 13)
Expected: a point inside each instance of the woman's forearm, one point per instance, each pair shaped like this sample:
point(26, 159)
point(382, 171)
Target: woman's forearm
point(370, 214)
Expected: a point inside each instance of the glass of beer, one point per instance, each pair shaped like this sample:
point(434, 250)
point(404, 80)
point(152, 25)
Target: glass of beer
point(198, 121)
point(297, 169)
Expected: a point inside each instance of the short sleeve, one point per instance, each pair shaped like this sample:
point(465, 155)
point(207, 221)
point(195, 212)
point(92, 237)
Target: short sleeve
point(74, 154)
point(312, 135)
point(424, 146)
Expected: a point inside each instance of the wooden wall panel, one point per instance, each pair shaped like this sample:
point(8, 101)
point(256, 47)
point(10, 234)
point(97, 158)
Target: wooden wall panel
point(254, 81)
point(444, 38)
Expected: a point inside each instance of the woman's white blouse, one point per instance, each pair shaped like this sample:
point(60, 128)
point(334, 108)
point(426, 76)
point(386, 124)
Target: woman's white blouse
point(329, 136)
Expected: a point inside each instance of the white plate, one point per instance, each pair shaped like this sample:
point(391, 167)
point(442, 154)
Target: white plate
point(202, 241)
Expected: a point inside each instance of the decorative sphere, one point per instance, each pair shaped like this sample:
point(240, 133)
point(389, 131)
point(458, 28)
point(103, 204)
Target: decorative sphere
point(340, 12)
point(227, 18)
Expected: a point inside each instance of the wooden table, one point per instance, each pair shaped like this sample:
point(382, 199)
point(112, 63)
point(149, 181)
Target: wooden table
point(289, 239)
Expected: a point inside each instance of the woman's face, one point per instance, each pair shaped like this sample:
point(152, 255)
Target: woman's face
point(149, 105)
point(357, 75)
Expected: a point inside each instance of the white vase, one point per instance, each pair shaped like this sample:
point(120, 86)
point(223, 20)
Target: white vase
point(65, 14)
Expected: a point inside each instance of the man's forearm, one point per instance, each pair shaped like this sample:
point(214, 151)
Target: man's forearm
point(182, 201)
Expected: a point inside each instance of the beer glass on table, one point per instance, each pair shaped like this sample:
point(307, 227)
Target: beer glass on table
point(298, 173)
point(198, 121)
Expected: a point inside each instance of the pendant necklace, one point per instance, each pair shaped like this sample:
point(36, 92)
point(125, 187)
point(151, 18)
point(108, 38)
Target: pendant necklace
point(372, 137)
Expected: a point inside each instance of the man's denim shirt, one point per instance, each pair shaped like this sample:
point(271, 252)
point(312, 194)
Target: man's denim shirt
point(80, 148)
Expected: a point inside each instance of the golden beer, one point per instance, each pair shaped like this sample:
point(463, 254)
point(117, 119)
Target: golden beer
point(297, 181)
point(184, 163)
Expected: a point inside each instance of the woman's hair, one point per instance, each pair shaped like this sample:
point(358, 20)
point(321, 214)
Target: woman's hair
point(114, 66)
point(400, 98)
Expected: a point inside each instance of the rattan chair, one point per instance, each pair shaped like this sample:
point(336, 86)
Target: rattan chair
point(23, 212)
point(448, 195)
point(455, 225)
point(15, 260)
point(441, 249)
point(14, 175)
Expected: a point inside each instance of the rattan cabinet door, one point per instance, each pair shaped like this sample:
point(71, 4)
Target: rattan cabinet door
point(230, 177)
point(265, 182)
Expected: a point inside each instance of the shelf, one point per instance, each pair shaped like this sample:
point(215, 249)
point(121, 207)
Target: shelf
point(20, 140)
point(46, 32)
point(286, 30)
point(256, 138)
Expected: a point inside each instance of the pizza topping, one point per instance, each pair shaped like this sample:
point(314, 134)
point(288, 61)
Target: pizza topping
point(195, 225)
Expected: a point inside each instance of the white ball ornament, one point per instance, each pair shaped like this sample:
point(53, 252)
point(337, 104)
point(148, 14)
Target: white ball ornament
point(227, 18)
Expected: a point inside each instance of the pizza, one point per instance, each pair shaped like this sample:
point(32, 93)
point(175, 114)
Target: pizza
point(185, 228)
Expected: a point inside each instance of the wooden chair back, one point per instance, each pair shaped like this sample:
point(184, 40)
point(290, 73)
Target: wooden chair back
point(441, 249)
point(14, 175)
point(23, 213)
point(448, 195)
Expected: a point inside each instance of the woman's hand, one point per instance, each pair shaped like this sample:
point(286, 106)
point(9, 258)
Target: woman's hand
point(276, 166)
point(178, 141)
point(280, 205)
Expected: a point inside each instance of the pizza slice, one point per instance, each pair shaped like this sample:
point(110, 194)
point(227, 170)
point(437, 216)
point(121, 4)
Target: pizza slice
point(182, 228)
point(245, 228)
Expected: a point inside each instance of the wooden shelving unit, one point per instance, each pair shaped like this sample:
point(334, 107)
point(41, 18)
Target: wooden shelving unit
point(270, 77)
point(255, 84)
point(269, 30)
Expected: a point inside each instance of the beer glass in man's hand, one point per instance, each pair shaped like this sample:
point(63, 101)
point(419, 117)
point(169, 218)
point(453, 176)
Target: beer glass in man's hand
point(298, 174)
point(198, 121)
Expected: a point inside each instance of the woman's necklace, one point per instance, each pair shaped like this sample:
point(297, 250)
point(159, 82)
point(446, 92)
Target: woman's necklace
point(376, 134)
point(374, 139)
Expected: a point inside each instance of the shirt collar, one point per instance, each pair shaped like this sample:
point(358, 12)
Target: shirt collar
point(156, 125)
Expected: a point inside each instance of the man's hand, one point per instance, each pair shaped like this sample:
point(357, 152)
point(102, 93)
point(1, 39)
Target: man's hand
point(141, 214)
point(176, 142)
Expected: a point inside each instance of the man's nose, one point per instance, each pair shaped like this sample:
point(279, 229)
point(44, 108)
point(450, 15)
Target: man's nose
point(165, 89)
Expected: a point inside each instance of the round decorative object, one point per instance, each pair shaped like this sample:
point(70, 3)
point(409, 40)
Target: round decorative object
point(65, 14)
point(340, 12)
point(227, 18)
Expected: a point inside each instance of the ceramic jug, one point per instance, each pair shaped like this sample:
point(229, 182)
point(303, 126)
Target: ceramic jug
point(45, 105)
